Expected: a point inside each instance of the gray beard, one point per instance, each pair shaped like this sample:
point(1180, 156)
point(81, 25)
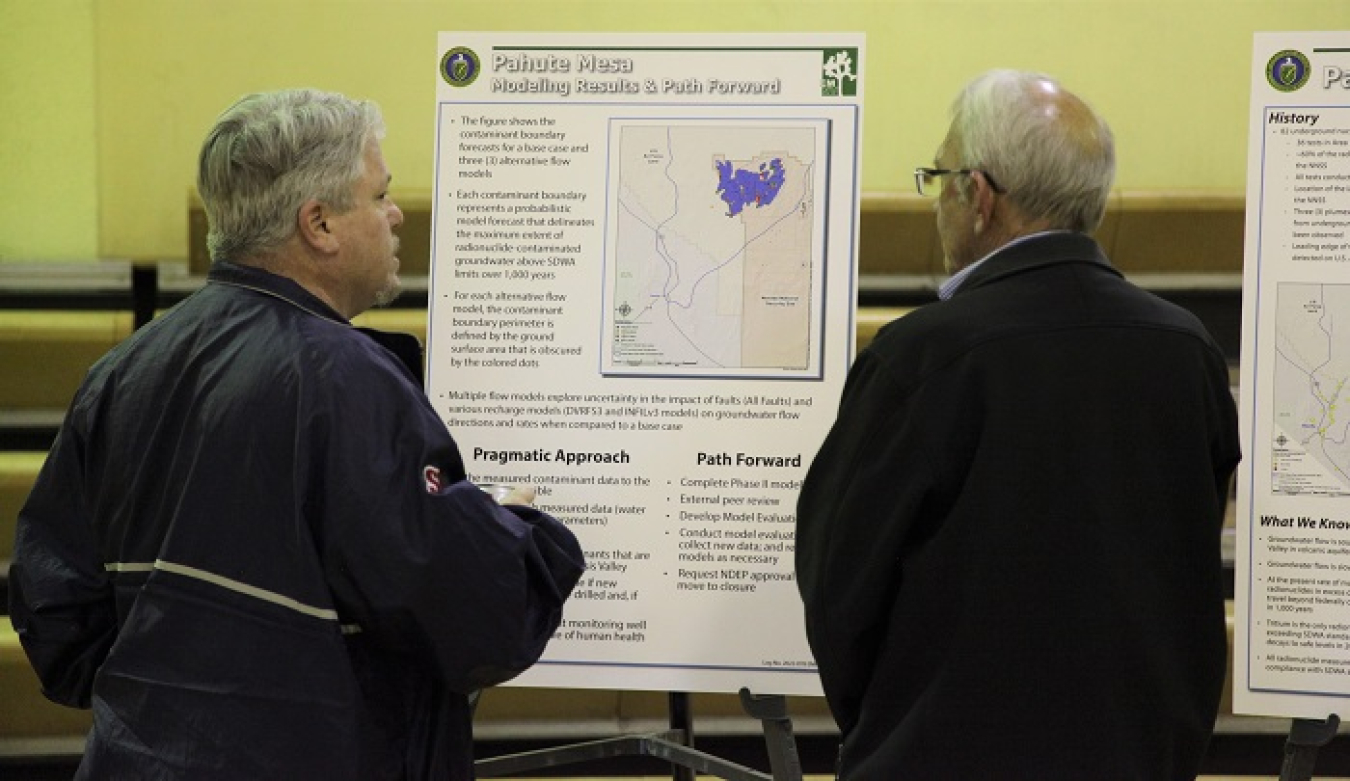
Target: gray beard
point(388, 295)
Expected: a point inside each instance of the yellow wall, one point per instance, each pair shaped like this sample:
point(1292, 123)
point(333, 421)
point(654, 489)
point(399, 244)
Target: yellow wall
point(48, 165)
point(1172, 76)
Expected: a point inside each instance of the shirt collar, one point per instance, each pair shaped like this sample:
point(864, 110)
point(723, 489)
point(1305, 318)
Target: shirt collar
point(948, 288)
point(275, 285)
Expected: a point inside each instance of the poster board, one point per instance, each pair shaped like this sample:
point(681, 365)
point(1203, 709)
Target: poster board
point(1292, 589)
point(643, 282)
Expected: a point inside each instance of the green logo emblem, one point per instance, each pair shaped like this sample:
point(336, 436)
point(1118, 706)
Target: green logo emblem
point(1288, 70)
point(837, 76)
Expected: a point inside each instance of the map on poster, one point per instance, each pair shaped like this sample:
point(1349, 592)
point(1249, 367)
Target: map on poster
point(1311, 448)
point(716, 247)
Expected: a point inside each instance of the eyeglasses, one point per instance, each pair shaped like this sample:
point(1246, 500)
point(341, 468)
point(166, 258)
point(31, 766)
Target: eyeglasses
point(924, 178)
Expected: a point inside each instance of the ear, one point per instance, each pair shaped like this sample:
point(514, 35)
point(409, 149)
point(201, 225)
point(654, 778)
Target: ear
point(314, 228)
point(985, 199)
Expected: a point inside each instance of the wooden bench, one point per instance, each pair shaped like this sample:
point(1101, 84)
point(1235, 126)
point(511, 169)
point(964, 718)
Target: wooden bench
point(44, 355)
point(24, 713)
point(503, 713)
point(1161, 236)
point(18, 471)
point(1144, 231)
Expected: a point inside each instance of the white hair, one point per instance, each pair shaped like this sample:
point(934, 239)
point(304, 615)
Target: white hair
point(268, 154)
point(1053, 164)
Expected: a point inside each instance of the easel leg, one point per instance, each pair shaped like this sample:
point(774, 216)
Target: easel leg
point(771, 710)
point(681, 719)
point(673, 746)
point(1306, 736)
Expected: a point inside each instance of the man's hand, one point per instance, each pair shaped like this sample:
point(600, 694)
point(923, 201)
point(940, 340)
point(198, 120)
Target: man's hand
point(504, 493)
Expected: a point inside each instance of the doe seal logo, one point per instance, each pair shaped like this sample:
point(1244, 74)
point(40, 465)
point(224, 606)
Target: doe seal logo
point(1288, 70)
point(460, 66)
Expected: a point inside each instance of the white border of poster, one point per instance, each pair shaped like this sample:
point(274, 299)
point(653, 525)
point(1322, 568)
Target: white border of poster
point(643, 281)
point(1292, 637)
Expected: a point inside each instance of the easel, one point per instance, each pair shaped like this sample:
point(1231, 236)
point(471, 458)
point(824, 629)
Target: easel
point(674, 745)
point(1306, 736)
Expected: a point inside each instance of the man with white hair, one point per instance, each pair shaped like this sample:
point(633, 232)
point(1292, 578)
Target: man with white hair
point(253, 550)
point(1008, 546)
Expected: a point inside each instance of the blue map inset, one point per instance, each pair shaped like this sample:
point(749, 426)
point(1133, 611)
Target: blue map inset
point(740, 187)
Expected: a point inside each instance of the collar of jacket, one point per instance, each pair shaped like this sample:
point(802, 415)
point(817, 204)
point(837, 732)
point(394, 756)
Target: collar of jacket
point(1050, 250)
point(285, 288)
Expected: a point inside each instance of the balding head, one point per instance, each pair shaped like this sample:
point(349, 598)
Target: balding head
point(1045, 147)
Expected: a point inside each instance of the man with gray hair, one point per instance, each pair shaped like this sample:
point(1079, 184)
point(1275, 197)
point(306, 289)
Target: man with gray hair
point(1008, 546)
point(253, 550)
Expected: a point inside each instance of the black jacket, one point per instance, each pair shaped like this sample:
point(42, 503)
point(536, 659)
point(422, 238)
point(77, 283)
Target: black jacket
point(1009, 545)
point(253, 551)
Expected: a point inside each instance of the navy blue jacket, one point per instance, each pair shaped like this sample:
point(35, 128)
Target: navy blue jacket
point(1008, 546)
point(254, 552)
